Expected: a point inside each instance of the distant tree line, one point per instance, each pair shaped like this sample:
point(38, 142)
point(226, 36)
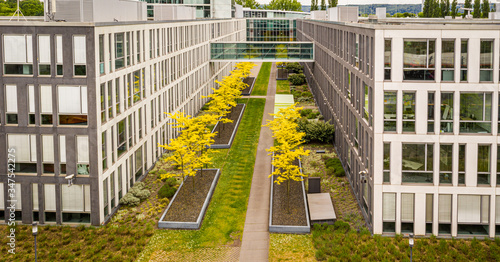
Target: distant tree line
point(331, 3)
point(27, 7)
point(442, 8)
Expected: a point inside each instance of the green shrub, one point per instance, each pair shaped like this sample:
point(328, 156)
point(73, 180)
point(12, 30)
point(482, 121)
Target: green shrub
point(171, 181)
point(297, 79)
point(166, 191)
point(334, 167)
point(129, 200)
point(316, 131)
point(294, 67)
point(135, 195)
point(305, 112)
point(341, 226)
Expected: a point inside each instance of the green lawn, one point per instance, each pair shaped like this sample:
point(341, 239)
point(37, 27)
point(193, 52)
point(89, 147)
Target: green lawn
point(225, 218)
point(283, 87)
point(291, 247)
point(260, 87)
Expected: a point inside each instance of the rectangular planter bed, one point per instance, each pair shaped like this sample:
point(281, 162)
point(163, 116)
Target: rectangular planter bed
point(229, 135)
point(192, 222)
point(298, 208)
point(250, 81)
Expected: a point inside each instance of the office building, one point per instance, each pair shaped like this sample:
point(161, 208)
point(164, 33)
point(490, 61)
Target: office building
point(88, 100)
point(415, 104)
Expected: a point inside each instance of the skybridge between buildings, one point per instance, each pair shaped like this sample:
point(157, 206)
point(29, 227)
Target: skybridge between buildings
point(253, 51)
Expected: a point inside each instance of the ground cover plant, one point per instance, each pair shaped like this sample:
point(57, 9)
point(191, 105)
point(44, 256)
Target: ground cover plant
point(302, 95)
point(340, 242)
point(291, 247)
point(260, 87)
point(122, 239)
point(222, 228)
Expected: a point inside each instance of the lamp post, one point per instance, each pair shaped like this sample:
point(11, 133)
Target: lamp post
point(411, 242)
point(35, 232)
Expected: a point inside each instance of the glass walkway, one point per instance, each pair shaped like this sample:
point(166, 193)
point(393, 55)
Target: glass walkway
point(262, 51)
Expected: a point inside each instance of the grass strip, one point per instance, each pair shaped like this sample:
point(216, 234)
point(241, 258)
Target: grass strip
point(283, 87)
point(260, 87)
point(291, 247)
point(225, 217)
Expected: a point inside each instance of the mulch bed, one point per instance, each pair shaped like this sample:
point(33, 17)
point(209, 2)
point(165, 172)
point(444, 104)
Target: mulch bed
point(187, 205)
point(296, 215)
point(249, 81)
point(225, 130)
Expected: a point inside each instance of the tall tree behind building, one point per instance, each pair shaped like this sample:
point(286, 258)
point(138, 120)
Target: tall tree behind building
point(314, 5)
point(485, 9)
point(323, 5)
point(333, 3)
point(248, 3)
point(287, 5)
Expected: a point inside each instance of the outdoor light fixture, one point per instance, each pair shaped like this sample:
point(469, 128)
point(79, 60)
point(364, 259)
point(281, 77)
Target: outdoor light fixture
point(411, 242)
point(35, 232)
point(70, 179)
point(362, 176)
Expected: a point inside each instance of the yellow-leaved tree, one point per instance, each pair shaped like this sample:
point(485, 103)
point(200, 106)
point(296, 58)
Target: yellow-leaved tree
point(189, 148)
point(287, 147)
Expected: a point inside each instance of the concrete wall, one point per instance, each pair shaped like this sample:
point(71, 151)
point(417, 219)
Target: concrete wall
point(174, 12)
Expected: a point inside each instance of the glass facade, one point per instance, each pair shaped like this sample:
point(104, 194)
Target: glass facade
point(262, 51)
point(279, 30)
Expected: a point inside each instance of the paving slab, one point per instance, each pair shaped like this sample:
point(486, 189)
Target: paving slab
point(321, 208)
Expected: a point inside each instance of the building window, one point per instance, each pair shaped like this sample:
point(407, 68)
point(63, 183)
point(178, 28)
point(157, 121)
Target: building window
point(430, 111)
point(122, 138)
point(50, 202)
point(112, 181)
point(82, 146)
point(486, 61)
point(46, 105)
point(48, 154)
point(117, 95)
point(429, 208)
point(407, 212)
point(448, 60)
point(26, 153)
point(417, 163)
point(120, 185)
point(44, 55)
point(444, 214)
point(11, 116)
point(389, 213)
point(110, 99)
point(387, 163)
point(137, 86)
point(119, 51)
point(473, 215)
point(408, 112)
point(446, 113)
point(461, 164)
point(72, 104)
point(75, 204)
point(387, 59)
point(104, 151)
point(390, 111)
point(31, 105)
point(483, 164)
point(127, 47)
point(419, 59)
point(103, 103)
point(62, 154)
point(445, 164)
point(2, 204)
point(105, 196)
point(138, 163)
point(18, 54)
point(475, 113)
point(59, 55)
point(79, 55)
point(498, 165)
point(464, 58)
point(101, 54)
